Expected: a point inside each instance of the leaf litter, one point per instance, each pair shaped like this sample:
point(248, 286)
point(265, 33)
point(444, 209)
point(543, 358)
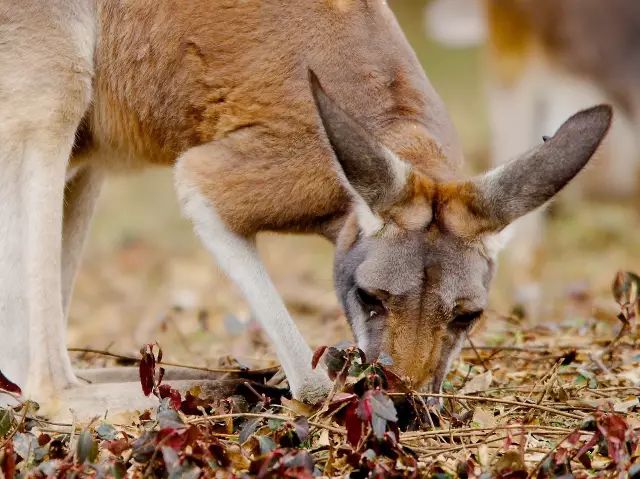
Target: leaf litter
point(541, 402)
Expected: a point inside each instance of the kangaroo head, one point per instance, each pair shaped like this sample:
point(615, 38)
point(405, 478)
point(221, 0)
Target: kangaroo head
point(415, 258)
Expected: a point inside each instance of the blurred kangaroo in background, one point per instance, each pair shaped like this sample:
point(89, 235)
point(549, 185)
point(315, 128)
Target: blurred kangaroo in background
point(363, 154)
point(547, 58)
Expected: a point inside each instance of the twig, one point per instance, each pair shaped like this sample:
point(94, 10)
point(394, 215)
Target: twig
point(431, 451)
point(534, 429)
point(175, 365)
point(523, 349)
point(599, 363)
point(498, 401)
point(475, 350)
point(337, 430)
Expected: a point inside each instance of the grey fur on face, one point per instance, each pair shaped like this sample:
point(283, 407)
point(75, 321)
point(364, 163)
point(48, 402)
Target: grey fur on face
point(414, 291)
point(423, 279)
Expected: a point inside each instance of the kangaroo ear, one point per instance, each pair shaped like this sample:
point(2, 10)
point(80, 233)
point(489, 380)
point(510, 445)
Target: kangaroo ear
point(492, 201)
point(370, 171)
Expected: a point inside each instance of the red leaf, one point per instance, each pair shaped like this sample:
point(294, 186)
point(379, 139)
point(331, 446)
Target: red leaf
point(586, 447)
point(160, 375)
point(317, 355)
point(43, 439)
point(7, 385)
point(177, 438)
point(301, 426)
point(395, 383)
point(614, 428)
point(117, 447)
point(561, 455)
point(147, 369)
point(354, 424)
point(193, 405)
point(166, 391)
point(8, 466)
point(341, 397)
point(365, 408)
point(574, 438)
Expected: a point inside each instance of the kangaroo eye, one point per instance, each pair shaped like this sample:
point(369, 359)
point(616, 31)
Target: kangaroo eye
point(371, 303)
point(464, 319)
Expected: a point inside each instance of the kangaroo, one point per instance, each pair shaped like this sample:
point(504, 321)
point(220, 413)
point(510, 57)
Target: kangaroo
point(311, 117)
point(546, 59)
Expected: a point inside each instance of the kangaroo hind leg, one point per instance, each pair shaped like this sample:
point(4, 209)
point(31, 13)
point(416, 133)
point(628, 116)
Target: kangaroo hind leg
point(46, 68)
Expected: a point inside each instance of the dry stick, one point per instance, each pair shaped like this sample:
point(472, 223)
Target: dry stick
point(430, 452)
point(599, 363)
point(534, 429)
point(175, 365)
point(547, 379)
point(248, 385)
point(623, 330)
point(426, 408)
point(543, 381)
point(569, 387)
point(337, 430)
point(529, 349)
point(550, 381)
point(496, 400)
point(466, 378)
point(475, 350)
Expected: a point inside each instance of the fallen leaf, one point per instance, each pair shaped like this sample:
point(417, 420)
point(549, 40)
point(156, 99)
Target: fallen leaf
point(483, 417)
point(7, 385)
point(479, 383)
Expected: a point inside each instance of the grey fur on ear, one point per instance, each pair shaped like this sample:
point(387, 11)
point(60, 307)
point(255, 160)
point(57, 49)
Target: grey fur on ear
point(371, 171)
point(522, 185)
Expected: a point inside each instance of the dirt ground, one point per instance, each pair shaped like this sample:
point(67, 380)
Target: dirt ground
point(145, 276)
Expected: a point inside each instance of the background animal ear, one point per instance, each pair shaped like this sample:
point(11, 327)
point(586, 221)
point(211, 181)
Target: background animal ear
point(492, 201)
point(370, 171)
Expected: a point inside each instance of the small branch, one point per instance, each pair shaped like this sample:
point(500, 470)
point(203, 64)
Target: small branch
point(175, 365)
point(475, 350)
point(337, 430)
point(529, 349)
point(429, 452)
point(552, 430)
point(498, 401)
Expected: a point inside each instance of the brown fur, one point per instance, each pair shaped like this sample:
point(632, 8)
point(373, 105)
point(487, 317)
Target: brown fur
point(226, 82)
point(460, 211)
point(173, 75)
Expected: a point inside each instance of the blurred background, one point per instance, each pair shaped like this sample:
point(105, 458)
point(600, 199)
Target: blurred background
point(145, 276)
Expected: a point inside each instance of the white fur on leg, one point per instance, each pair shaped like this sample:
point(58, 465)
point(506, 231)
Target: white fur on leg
point(46, 69)
point(238, 257)
point(43, 189)
point(80, 197)
point(14, 356)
